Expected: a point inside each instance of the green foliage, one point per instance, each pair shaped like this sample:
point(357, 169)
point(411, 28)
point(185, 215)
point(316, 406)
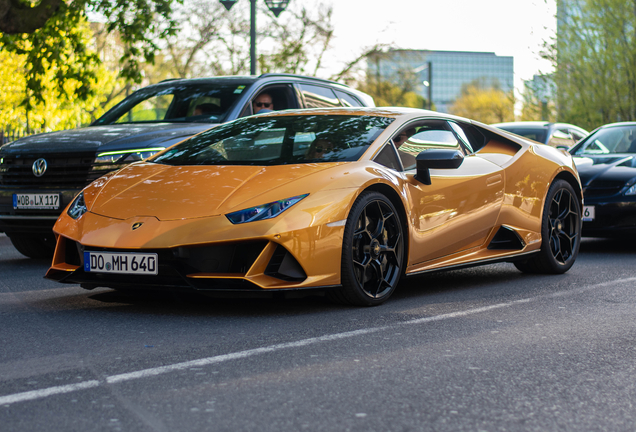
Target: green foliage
point(484, 104)
point(595, 61)
point(400, 88)
point(61, 46)
point(538, 103)
point(60, 106)
point(386, 93)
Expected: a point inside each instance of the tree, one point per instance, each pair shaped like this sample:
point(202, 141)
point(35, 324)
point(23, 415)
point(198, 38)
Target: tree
point(48, 33)
point(538, 99)
point(398, 88)
point(595, 61)
point(484, 104)
point(213, 41)
point(52, 112)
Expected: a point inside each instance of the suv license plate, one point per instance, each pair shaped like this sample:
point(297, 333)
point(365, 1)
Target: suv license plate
point(122, 262)
point(36, 201)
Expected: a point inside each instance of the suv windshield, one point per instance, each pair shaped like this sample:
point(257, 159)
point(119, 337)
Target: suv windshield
point(193, 102)
point(609, 141)
point(279, 140)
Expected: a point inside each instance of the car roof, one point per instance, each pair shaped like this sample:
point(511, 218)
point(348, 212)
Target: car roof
point(618, 124)
point(248, 79)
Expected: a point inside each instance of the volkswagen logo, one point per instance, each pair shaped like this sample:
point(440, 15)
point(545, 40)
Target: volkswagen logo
point(39, 167)
point(137, 225)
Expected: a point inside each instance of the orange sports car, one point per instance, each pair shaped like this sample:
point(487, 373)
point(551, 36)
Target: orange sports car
point(346, 201)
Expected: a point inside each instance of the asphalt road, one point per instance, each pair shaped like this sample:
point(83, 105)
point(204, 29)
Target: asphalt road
point(482, 349)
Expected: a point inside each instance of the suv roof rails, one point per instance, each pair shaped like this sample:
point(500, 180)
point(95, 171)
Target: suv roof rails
point(274, 74)
point(169, 79)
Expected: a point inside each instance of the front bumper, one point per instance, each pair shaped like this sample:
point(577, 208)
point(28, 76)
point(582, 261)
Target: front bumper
point(238, 267)
point(31, 221)
point(613, 218)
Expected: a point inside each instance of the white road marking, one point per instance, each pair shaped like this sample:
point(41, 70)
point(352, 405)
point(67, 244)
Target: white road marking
point(42, 393)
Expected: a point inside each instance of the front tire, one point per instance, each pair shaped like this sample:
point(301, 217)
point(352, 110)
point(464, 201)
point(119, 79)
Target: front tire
point(560, 232)
point(372, 252)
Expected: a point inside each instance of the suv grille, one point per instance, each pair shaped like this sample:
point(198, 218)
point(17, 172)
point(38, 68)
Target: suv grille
point(63, 171)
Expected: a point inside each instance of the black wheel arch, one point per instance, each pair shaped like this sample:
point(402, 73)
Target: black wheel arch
point(569, 177)
point(397, 202)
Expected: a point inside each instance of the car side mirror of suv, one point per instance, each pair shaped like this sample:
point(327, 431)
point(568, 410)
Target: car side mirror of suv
point(436, 159)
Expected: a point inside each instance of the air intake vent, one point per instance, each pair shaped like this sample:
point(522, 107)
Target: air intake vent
point(506, 238)
point(284, 266)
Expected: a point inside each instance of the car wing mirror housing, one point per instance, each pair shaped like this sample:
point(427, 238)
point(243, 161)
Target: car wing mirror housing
point(436, 159)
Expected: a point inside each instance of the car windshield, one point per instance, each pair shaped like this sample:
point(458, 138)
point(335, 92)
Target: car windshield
point(279, 140)
point(192, 102)
point(611, 140)
point(534, 133)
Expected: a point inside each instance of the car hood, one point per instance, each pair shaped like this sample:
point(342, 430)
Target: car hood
point(185, 192)
point(106, 138)
point(615, 170)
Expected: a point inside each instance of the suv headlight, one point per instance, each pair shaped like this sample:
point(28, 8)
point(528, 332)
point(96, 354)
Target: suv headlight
point(265, 211)
point(106, 160)
point(77, 207)
point(631, 190)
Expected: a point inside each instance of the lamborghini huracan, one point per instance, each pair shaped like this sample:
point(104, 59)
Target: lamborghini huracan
point(344, 201)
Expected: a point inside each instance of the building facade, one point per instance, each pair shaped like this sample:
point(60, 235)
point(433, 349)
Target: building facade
point(444, 71)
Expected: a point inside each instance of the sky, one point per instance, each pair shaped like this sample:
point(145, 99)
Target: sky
point(514, 28)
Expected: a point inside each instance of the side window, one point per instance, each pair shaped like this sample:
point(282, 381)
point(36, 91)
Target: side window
point(388, 157)
point(421, 136)
point(348, 100)
point(473, 138)
point(282, 97)
point(561, 138)
point(319, 97)
point(576, 135)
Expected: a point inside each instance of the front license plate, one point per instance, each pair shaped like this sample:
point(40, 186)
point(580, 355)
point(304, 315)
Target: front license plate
point(36, 201)
point(589, 213)
point(125, 262)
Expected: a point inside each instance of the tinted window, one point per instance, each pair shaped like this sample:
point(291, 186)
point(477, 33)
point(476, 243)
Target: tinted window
point(208, 103)
point(348, 100)
point(610, 141)
point(388, 158)
point(429, 134)
point(539, 134)
point(319, 97)
point(279, 140)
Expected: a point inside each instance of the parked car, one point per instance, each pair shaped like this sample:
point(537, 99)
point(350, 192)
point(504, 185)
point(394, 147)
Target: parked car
point(41, 174)
point(562, 135)
point(345, 201)
point(606, 161)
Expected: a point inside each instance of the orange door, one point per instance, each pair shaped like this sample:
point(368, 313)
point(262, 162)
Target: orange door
point(457, 211)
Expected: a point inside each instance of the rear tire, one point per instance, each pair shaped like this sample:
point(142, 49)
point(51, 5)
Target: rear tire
point(372, 252)
point(560, 232)
point(34, 246)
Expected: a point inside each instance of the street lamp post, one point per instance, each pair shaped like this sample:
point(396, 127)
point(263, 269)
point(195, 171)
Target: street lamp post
point(275, 6)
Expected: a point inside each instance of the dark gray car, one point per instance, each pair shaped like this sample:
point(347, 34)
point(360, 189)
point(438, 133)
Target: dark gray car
point(562, 135)
point(40, 174)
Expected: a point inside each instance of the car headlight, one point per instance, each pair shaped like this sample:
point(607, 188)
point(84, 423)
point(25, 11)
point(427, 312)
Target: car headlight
point(77, 207)
point(631, 190)
point(106, 160)
point(265, 211)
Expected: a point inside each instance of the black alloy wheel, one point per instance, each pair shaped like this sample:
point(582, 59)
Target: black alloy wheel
point(565, 221)
point(560, 232)
point(372, 251)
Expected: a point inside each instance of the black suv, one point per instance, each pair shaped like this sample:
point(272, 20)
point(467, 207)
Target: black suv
point(40, 174)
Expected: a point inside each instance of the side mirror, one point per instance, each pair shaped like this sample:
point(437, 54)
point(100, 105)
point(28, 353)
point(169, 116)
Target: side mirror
point(436, 159)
